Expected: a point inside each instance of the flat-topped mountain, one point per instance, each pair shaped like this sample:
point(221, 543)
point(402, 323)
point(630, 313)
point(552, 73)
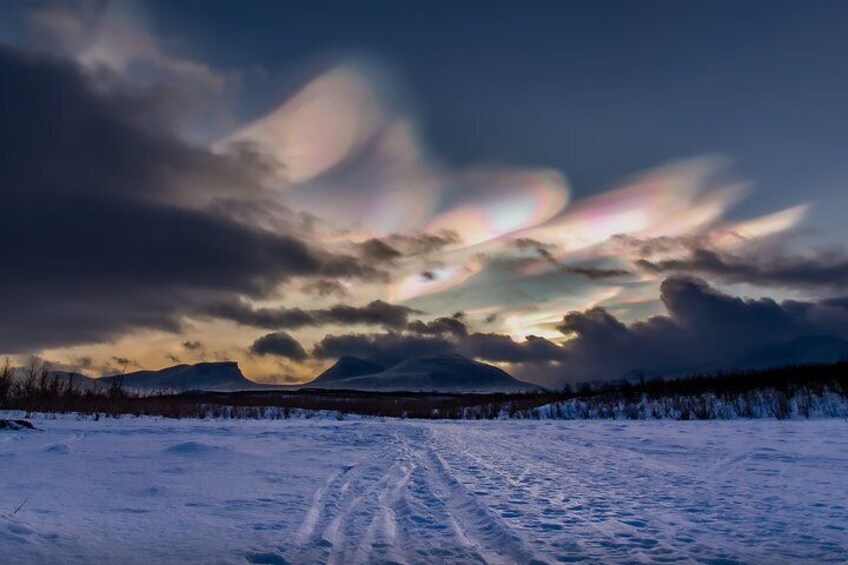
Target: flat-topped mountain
point(435, 373)
point(224, 375)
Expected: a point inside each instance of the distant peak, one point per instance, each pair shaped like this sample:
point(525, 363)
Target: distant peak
point(447, 356)
point(350, 359)
point(208, 375)
point(216, 364)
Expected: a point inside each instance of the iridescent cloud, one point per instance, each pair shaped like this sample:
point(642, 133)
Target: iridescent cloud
point(320, 126)
point(669, 201)
point(360, 167)
point(507, 201)
point(737, 233)
point(434, 280)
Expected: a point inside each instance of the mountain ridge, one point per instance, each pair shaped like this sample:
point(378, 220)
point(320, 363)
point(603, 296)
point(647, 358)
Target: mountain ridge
point(213, 375)
point(449, 372)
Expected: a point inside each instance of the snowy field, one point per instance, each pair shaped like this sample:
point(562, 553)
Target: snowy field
point(305, 491)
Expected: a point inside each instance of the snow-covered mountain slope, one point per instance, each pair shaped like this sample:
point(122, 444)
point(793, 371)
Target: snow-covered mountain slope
point(202, 376)
point(346, 367)
point(436, 373)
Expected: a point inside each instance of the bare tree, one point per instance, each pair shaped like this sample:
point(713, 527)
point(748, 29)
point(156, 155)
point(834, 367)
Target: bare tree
point(6, 373)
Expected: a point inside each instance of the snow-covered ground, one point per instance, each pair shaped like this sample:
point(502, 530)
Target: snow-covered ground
point(161, 491)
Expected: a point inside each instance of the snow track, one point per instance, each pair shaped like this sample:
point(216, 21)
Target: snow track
point(372, 491)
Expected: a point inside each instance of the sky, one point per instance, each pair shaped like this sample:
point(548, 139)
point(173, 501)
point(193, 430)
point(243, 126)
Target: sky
point(570, 190)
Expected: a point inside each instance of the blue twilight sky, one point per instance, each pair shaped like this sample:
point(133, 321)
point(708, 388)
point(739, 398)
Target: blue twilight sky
point(595, 88)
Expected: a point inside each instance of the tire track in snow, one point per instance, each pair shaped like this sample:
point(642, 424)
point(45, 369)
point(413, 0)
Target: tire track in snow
point(316, 508)
point(350, 502)
point(367, 505)
point(490, 536)
point(382, 538)
point(405, 506)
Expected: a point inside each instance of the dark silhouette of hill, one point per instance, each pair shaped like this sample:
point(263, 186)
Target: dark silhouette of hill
point(224, 375)
point(802, 351)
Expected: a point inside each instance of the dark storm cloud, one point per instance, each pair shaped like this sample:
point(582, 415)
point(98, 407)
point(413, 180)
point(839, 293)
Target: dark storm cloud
point(828, 270)
point(279, 344)
point(106, 226)
point(394, 247)
point(375, 313)
point(324, 288)
point(595, 273)
point(544, 252)
point(453, 325)
point(392, 347)
point(503, 349)
point(703, 329)
point(383, 349)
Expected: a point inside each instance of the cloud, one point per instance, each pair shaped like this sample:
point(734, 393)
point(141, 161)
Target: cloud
point(112, 36)
point(375, 313)
point(392, 347)
point(384, 349)
point(379, 251)
point(324, 288)
point(499, 348)
point(125, 362)
point(424, 243)
point(704, 329)
point(596, 273)
point(763, 268)
point(393, 247)
point(547, 253)
point(279, 344)
point(440, 326)
point(115, 222)
point(108, 225)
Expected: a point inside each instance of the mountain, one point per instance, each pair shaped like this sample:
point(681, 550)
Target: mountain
point(202, 376)
point(801, 351)
point(436, 373)
point(347, 367)
point(78, 380)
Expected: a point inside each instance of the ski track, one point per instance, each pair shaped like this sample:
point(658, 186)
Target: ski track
point(394, 491)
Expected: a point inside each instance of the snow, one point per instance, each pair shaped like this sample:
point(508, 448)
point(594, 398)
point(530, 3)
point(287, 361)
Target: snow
point(149, 490)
